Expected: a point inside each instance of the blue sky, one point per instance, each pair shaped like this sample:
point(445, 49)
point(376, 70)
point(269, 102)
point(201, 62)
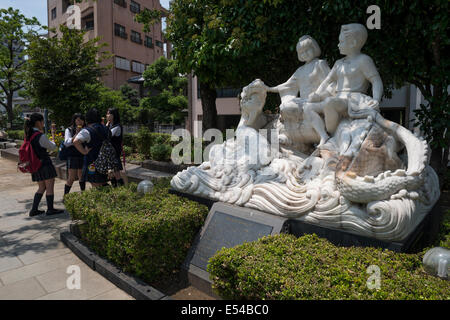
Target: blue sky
point(38, 8)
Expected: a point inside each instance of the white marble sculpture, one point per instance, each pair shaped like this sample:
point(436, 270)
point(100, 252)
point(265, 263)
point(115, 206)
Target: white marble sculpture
point(333, 160)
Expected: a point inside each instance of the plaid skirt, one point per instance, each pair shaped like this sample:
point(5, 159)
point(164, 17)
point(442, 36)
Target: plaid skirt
point(46, 172)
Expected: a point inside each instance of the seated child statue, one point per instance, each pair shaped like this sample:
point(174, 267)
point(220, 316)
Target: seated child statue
point(305, 81)
point(352, 76)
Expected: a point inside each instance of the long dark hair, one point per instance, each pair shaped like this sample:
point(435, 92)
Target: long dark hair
point(115, 114)
point(30, 122)
point(75, 116)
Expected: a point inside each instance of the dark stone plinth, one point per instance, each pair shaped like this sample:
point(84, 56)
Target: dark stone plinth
point(226, 226)
point(206, 201)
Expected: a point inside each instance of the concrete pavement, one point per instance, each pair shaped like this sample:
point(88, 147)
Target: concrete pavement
point(33, 261)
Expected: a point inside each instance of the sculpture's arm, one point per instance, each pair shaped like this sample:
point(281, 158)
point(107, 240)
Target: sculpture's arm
point(289, 84)
point(371, 73)
point(377, 87)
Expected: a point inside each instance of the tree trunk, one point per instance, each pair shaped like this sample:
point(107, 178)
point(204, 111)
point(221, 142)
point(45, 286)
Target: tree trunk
point(208, 97)
point(9, 109)
point(438, 164)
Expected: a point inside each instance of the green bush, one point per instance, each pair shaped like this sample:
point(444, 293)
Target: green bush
point(160, 152)
point(147, 235)
point(127, 150)
point(129, 140)
point(286, 267)
point(144, 141)
point(15, 134)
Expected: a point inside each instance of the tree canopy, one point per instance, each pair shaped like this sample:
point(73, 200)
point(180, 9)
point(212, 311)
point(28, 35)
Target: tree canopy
point(63, 73)
point(168, 98)
point(16, 32)
point(232, 42)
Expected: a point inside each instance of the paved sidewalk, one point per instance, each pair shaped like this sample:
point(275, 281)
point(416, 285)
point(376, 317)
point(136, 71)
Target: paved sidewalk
point(33, 261)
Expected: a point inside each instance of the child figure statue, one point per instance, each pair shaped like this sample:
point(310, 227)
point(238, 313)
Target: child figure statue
point(304, 81)
point(352, 76)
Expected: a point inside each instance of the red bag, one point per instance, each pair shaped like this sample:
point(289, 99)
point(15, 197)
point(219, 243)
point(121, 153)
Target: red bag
point(28, 159)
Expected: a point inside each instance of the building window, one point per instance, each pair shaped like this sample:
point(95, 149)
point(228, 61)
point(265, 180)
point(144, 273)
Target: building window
point(148, 42)
point(135, 7)
point(53, 13)
point(122, 63)
point(88, 22)
point(136, 37)
point(159, 44)
point(138, 67)
point(89, 25)
point(121, 3)
point(228, 92)
point(119, 31)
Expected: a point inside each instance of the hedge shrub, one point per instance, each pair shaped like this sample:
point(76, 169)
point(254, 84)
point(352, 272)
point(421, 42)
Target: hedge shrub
point(15, 134)
point(147, 235)
point(286, 267)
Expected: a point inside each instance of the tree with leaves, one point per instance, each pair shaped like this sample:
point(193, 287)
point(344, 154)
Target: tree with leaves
point(170, 88)
point(232, 42)
point(16, 32)
point(63, 73)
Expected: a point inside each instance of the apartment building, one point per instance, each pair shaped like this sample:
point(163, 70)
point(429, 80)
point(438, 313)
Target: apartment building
point(113, 21)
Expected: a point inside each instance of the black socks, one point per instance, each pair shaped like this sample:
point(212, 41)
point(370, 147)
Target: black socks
point(67, 189)
point(116, 183)
point(50, 202)
point(37, 199)
point(50, 209)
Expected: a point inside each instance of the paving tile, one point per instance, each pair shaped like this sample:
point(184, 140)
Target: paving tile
point(39, 268)
point(92, 285)
point(23, 290)
point(115, 294)
point(37, 249)
point(8, 261)
point(56, 280)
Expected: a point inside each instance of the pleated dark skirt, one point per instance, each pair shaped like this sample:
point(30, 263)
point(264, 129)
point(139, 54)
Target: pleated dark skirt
point(75, 163)
point(46, 172)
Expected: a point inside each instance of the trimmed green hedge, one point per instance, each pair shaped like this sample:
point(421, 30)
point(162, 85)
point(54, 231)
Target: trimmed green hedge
point(286, 267)
point(147, 235)
point(15, 134)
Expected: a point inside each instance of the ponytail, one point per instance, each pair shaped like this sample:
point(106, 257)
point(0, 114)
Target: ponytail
point(29, 124)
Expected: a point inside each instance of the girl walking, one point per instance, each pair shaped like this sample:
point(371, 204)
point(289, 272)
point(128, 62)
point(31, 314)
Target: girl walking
point(45, 176)
point(76, 159)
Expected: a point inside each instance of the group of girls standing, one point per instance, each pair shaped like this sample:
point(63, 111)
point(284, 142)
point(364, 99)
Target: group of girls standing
point(84, 137)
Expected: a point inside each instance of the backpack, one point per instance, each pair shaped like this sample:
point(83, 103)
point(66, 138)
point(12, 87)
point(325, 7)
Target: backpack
point(106, 160)
point(64, 152)
point(28, 159)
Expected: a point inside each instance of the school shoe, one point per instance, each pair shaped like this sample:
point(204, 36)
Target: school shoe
point(53, 211)
point(36, 212)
